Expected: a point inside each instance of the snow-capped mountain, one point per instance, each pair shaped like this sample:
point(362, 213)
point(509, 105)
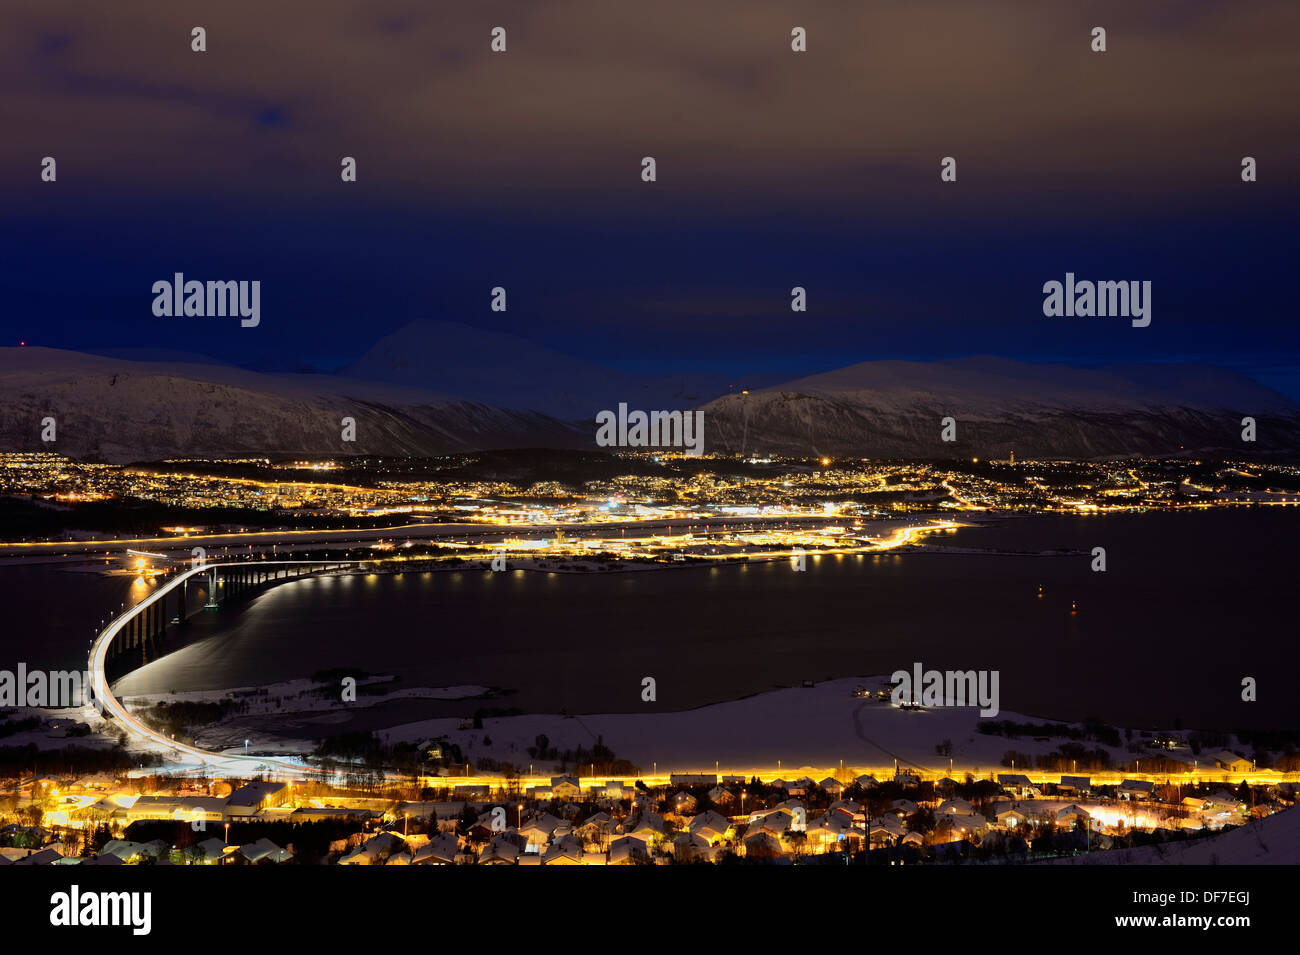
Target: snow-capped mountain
point(895, 409)
point(121, 410)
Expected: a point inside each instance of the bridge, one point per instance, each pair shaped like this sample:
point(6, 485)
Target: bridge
point(143, 625)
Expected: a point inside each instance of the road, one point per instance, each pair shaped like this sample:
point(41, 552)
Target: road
point(480, 532)
point(110, 706)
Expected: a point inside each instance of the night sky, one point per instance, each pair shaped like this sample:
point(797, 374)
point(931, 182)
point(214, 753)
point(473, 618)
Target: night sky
point(775, 169)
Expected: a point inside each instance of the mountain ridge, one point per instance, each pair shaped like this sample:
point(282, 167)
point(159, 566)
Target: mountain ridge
point(120, 410)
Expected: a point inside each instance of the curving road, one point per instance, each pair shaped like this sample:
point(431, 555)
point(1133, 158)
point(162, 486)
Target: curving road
point(108, 704)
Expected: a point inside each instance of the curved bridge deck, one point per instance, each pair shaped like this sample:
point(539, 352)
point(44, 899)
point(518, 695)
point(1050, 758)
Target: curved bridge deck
point(141, 625)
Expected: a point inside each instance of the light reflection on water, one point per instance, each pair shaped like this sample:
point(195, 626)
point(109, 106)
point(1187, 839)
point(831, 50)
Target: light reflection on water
point(1166, 633)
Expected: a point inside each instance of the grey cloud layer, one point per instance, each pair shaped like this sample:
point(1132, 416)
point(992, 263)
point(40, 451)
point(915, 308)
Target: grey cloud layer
point(712, 90)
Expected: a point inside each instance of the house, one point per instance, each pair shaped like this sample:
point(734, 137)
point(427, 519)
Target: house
point(793, 806)
point(904, 807)
point(777, 822)
point(832, 785)
point(830, 828)
point(264, 850)
point(721, 797)
point(907, 779)
point(1229, 761)
point(613, 789)
point(375, 850)
point(486, 825)
point(256, 796)
point(690, 847)
point(503, 850)
point(49, 856)
point(710, 826)
point(596, 829)
point(134, 851)
point(648, 826)
point(1072, 814)
point(693, 779)
point(849, 806)
point(1011, 818)
point(964, 824)
point(956, 804)
point(1136, 789)
point(1016, 783)
point(565, 787)
point(538, 831)
point(1075, 784)
point(683, 802)
point(442, 849)
point(885, 830)
point(762, 845)
point(177, 808)
point(867, 782)
point(209, 852)
point(566, 850)
point(794, 787)
point(628, 851)
point(1224, 801)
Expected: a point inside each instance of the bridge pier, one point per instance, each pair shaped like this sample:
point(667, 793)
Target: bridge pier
point(146, 627)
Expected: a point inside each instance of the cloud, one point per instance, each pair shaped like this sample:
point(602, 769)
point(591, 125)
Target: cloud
point(713, 91)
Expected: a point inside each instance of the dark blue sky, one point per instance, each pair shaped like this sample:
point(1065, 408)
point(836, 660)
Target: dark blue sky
point(522, 170)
